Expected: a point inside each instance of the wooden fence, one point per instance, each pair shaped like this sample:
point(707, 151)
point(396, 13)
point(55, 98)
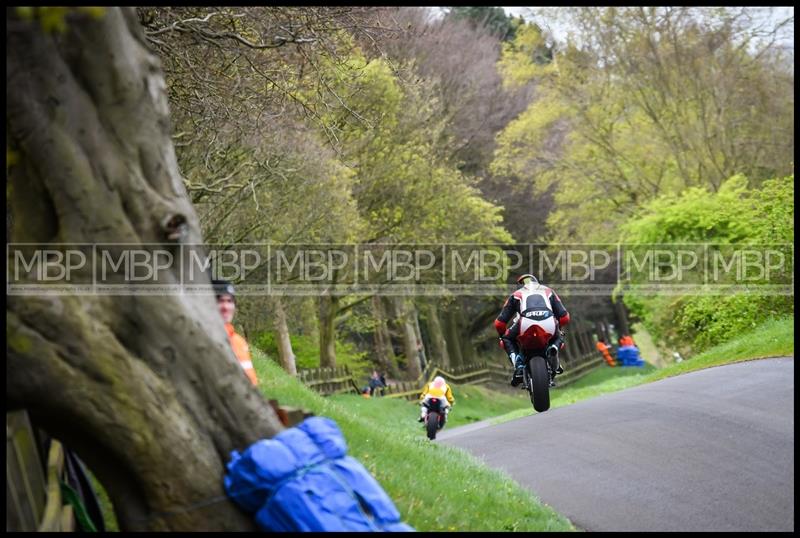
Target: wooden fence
point(327, 381)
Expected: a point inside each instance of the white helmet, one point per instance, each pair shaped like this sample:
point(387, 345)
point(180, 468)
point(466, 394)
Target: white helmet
point(527, 279)
point(438, 382)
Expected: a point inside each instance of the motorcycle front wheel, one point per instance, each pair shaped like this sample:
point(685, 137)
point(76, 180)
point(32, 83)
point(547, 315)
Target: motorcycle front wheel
point(432, 424)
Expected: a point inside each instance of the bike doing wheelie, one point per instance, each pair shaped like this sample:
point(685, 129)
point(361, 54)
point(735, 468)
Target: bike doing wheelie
point(534, 338)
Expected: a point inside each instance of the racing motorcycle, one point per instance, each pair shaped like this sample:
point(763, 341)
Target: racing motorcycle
point(435, 419)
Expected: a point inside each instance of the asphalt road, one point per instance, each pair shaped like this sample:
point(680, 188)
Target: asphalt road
point(711, 450)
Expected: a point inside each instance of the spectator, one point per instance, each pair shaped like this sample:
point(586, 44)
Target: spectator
point(626, 340)
point(227, 307)
point(603, 348)
point(376, 382)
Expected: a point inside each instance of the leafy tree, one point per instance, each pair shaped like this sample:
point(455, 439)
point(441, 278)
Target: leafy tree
point(650, 101)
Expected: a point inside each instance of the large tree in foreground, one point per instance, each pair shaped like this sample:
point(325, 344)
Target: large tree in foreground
point(144, 388)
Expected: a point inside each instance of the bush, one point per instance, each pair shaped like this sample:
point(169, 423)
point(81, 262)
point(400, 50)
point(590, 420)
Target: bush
point(733, 215)
point(711, 320)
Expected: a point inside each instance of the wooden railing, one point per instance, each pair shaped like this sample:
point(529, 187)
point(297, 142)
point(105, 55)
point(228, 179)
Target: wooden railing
point(327, 381)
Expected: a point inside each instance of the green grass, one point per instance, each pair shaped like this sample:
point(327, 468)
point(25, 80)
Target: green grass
point(773, 338)
point(435, 487)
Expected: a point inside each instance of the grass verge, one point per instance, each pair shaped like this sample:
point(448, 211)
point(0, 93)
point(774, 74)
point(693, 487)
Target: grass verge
point(435, 487)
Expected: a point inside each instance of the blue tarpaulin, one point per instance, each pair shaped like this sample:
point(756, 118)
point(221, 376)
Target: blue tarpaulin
point(629, 356)
point(303, 480)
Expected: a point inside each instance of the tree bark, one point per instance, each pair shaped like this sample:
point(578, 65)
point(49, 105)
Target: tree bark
point(383, 340)
point(328, 307)
point(468, 354)
point(404, 316)
point(622, 317)
point(145, 388)
point(421, 351)
point(285, 353)
point(453, 338)
point(438, 342)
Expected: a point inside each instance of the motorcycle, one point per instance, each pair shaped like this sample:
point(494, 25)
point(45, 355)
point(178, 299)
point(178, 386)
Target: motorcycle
point(436, 417)
point(536, 380)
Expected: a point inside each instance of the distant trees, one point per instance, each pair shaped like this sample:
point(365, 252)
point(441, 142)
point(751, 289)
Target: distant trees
point(492, 19)
point(653, 100)
point(323, 141)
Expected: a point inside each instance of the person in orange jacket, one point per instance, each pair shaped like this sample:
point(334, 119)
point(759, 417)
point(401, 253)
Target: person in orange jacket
point(227, 307)
point(626, 340)
point(603, 348)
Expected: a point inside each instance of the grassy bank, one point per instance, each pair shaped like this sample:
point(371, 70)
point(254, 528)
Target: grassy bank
point(435, 487)
point(773, 338)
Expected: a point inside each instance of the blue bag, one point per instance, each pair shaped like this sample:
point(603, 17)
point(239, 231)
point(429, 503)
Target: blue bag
point(302, 480)
point(629, 356)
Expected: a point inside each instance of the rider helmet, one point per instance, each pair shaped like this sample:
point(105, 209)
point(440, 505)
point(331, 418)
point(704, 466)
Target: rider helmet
point(527, 279)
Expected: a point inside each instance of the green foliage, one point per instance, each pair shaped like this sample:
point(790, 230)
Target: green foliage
point(774, 204)
point(645, 108)
point(696, 215)
point(390, 136)
point(710, 320)
point(306, 350)
point(732, 215)
point(527, 57)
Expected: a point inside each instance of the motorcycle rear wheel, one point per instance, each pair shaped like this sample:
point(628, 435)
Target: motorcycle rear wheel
point(539, 384)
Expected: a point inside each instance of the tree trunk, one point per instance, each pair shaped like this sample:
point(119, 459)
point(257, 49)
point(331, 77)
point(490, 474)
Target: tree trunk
point(285, 353)
point(423, 358)
point(404, 315)
point(453, 338)
point(468, 354)
point(383, 340)
point(438, 342)
point(622, 317)
point(328, 306)
point(144, 388)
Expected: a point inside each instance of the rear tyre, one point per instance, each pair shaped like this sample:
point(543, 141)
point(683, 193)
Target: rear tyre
point(540, 384)
point(432, 424)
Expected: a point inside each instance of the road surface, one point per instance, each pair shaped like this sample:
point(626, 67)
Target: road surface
point(711, 450)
